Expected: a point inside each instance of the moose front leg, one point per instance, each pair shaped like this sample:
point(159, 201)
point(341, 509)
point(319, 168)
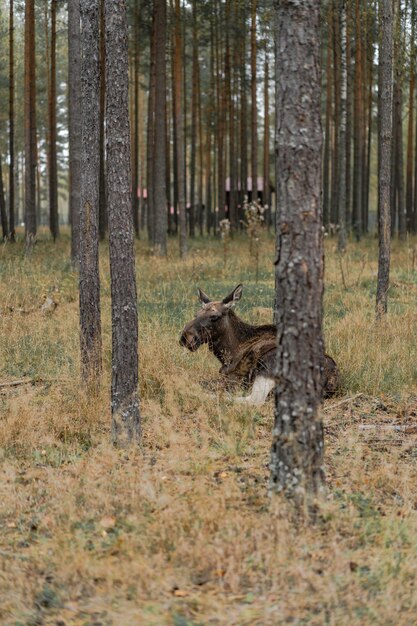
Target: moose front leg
point(261, 388)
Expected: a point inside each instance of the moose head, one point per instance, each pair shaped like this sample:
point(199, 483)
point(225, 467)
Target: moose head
point(210, 320)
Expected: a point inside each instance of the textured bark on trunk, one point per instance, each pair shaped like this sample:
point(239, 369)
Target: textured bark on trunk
point(160, 191)
point(30, 127)
point(150, 139)
point(266, 199)
point(11, 125)
point(384, 165)
point(243, 115)
point(349, 80)
point(398, 120)
point(341, 244)
point(74, 125)
point(254, 110)
point(334, 209)
point(179, 125)
point(135, 150)
point(297, 450)
point(329, 109)
point(3, 210)
point(124, 388)
point(358, 129)
point(410, 139)
point(194, 102)
point(53, 167)
point(102, 197)
point(90, 321)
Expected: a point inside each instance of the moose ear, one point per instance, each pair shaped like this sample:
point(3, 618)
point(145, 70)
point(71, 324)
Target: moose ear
point(203, 297)
point(234, 296)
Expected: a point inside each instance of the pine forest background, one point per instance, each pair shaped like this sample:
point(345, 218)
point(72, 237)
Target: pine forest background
point(225, 57)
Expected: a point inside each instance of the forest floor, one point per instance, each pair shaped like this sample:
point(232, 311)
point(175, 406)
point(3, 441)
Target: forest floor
point(182, 532)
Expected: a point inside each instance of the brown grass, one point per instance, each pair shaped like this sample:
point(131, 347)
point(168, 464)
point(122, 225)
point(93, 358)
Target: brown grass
point(183, 532)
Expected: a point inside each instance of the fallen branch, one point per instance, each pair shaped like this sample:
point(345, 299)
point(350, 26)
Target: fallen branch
point(31, 381)
point(401, 428)
point(341, 402)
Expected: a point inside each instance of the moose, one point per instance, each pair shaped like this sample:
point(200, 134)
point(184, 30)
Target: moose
point(247, 353)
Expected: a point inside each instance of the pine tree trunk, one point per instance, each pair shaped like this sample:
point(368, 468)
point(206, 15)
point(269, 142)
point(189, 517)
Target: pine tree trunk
point(194, 101)
point(254, 110)
point(102, 210)
point(349, 82)
point(341, 244)
point(30, 127)
point(266, 199)
point(410, 139)
point(150, 139)
point(11, 126)
point(53, 171)
point(334, 209)
point(3, 210)
point(358, 128)
point(124, 388)
point(90, 321)
point(384, 166)
point(297, 449)
point(329, 108)
point(179, 124)
point(398, 97)
point(135, 151)
point(160, 192)
point(243, 116)
point(74, 125)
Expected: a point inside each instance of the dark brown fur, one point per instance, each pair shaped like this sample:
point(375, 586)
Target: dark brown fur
point(244, 350)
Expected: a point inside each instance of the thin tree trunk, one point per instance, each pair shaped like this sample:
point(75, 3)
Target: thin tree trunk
point(384, 166)
point(160, 191)
point(53, 171)
point(102, 198)
point(349, 81)
point(194, 102)
point(11, 126)
point(3, 210)
point(266, 199)
point(358, 129)
point(254, 110)
point(74, 125)
point(30, 127)
point(341, 244)
point(90, 321)
point(334, 209)
point(179, 125)
point(243, 115)
point(124, 388)
point(297, 449)
point(327, 132)
point(398, 96)
point(410, 137)
point(135, 151)
point(150, 138)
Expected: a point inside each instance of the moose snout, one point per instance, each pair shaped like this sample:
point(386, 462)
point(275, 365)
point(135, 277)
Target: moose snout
point(189, 340)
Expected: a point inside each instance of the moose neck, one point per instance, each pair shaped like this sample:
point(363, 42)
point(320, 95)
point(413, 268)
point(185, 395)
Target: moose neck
point(230, 332)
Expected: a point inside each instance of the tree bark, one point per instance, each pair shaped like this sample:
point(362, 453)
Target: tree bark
point(74, 126)
point(329, 109)
point(384, 166)
point(179, 124)
point(30, 127)
point(358, 128)
point(3, 211)
point(297, 449)
point(11, 125)
point(341, 244)
point(90, 321)
point(102, 198)
point(150, 139)
point(135, 150)
point(124, 388)
point(53, 167)
point(254, 111)
point(266, 199)
point(160, 191)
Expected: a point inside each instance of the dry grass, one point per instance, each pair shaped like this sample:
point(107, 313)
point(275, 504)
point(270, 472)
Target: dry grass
point(182, 532)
